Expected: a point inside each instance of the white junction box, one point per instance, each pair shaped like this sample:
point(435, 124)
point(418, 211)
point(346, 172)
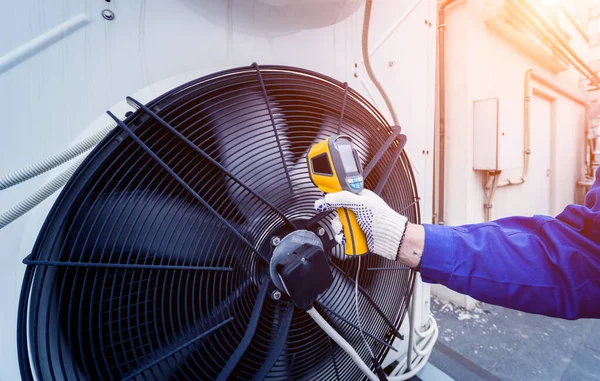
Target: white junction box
point(487, 137)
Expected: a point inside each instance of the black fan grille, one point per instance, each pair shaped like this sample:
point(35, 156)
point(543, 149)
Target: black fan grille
point(133, 276)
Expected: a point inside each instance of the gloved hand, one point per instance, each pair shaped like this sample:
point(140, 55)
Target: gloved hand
point(383, 227)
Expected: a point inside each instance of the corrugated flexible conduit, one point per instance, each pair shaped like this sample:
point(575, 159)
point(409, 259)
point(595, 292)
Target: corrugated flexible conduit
point(38, 196)
point(53, 161)
point(367, 61)
point(45, 165)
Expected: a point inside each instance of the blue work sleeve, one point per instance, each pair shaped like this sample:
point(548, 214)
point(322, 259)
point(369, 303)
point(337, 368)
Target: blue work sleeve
point(540, 264)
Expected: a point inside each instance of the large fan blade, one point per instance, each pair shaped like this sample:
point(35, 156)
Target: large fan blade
point(282, 319)
point(140, 227)
point(276, 145)
point(173, 360)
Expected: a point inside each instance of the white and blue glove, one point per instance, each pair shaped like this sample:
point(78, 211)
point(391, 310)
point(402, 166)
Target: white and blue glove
point(383, 227)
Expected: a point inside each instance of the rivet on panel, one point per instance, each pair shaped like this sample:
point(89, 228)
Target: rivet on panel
point(108, 14)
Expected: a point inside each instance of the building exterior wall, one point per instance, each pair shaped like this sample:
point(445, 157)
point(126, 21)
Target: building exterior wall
point(480, 64)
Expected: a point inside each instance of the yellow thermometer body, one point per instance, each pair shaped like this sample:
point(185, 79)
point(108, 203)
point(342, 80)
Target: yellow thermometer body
point(334, 166)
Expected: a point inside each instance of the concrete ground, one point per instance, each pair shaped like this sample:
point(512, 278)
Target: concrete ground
point(495, 343)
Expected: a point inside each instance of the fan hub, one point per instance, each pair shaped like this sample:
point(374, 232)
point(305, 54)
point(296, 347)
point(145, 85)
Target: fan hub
point(286, 246)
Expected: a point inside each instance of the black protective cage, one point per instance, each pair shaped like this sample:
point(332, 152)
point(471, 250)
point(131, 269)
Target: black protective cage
point(153, 261)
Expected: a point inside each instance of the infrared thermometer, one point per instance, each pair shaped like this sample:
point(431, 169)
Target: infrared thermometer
point(334, 166)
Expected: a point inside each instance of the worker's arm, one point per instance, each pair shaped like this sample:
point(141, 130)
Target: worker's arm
point(540, 264)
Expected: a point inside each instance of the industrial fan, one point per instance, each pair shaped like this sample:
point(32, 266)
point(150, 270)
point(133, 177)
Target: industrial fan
point(154, 261)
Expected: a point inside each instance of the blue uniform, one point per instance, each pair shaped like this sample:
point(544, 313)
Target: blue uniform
point(540, 264)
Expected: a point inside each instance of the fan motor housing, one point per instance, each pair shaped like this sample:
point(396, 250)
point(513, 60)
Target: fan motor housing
point(305, 274)
point(285, 247)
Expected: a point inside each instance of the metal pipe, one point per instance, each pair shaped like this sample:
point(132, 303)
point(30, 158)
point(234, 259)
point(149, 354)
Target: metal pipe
point(524, 16)
point(541, 79)
point(534, 11)
point(575, 24)
point(535, 20)
point(490, 190)
point(440, 184)
point(519, 14)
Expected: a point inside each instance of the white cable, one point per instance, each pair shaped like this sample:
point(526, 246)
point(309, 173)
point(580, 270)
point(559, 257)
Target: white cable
point(358, 312)
point(428, 331)
point(38, 196)
point(411, 326)
point(424, 346)
point(423, 350)
point(53, 161)
point(416, 369)
point(342, 343)
point(428, 345)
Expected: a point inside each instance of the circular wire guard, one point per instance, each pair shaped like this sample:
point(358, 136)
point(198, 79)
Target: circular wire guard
point(152, 262)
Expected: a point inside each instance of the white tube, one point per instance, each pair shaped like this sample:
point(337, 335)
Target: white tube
point(428, 346)
point(38, 196)
point(53, 161)
point(422, 349)
point(416, 369)
point(428, 331)
point(342, 343)
point(411, 329)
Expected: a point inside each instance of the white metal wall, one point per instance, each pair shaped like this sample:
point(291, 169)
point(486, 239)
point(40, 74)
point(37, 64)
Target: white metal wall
point(62, 65)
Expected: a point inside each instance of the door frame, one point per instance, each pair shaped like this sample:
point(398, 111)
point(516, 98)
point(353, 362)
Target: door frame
point(543, 93)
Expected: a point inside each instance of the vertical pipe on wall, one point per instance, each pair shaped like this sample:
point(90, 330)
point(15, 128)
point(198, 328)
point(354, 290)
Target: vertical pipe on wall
point(490, 191)
point(440, 184)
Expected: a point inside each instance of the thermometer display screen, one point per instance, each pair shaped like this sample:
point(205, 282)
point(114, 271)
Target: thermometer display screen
point(347, 157)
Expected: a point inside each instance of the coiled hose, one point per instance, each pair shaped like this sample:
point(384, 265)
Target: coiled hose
point(38, 196)
point(53, 161)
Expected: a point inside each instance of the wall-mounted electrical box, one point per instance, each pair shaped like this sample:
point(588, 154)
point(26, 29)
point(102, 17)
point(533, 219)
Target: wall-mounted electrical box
point(486, 135)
